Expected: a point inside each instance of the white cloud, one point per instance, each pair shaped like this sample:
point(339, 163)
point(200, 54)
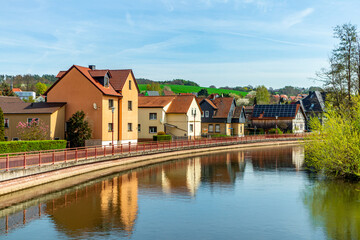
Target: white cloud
point(296, 18)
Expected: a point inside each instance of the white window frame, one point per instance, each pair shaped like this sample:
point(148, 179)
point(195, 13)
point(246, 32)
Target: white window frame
point(212, 128)
point(112, 103)
point(152, 114)
point(152, 132)
point(217, 128)
point(110, 127)
point(206, 114)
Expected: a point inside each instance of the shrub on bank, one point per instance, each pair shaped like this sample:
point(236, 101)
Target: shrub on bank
point(162, 137)
point(334, 146)
point(28, 146)
point(273, 131)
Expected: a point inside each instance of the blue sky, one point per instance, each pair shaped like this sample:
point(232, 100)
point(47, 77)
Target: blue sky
point(212, 42)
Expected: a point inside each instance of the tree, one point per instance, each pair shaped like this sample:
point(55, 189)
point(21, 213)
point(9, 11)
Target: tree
point(262, 95)
point(34, 130)
point(78, 130)
point(40, 88)
point(5, 90)
point(2, 126)
point(203, 92)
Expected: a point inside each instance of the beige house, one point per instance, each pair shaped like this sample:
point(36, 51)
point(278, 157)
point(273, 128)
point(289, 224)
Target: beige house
point(178, 116)
point(51, 114)
point(109, 99)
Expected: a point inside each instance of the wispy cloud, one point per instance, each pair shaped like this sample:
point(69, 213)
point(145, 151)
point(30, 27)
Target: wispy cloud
point(296, 18)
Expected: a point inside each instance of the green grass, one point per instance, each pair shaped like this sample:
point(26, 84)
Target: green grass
point(189, 89)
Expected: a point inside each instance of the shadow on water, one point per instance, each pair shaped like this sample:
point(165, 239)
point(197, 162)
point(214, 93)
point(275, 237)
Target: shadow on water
point(334, 206)
point(111, 203)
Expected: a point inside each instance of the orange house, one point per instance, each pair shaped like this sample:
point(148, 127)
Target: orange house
point(109, 99)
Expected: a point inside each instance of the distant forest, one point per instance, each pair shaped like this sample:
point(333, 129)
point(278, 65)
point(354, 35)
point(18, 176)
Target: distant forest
point(27, 83)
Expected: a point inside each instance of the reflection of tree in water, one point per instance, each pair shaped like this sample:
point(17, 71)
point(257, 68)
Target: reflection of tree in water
point(109, 205)
point(278, 158)
point(335, 206)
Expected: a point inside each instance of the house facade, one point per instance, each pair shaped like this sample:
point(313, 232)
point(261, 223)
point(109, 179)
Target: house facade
point(51, 114)
point(314, 105)
point(218, 117)
point(287, 117)
point(178, 116)
point(109, 99)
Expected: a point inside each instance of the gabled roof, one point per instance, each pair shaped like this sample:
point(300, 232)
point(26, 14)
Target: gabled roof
point(153, 93)
point(154, 101)
point(30, 108)
point(16, 90)
point(223, 105)
point(168, 93)
point(237, 111)
point(281, 111)
point(314, 102)
point(6, 99)
point(117, 79)
point(210, 103)
point(181, 104)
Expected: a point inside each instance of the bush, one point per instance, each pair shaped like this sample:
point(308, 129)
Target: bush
point(28, 146)
point(219, 135)
point(273, 131)
point(334, 146)
point(161, 133)
point(162, 137)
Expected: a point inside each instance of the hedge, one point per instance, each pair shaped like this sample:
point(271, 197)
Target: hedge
point(273, 131)
point(162, 137)
point(29, 146)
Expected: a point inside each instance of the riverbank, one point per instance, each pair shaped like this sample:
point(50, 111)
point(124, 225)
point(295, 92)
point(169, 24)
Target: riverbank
point(87, 172)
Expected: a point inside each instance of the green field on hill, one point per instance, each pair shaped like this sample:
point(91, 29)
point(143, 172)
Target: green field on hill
point(190, 89)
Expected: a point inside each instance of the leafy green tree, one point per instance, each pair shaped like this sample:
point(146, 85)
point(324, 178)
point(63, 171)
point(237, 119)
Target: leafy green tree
point(262, 95)
point(6, 90)
point(2, 126)
point(78, 130)
point(203, 92)
point(40, 88)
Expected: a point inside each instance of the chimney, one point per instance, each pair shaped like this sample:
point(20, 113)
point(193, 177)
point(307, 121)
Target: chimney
point(92, 67)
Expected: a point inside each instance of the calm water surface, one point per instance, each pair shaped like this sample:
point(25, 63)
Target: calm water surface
point(252, 194)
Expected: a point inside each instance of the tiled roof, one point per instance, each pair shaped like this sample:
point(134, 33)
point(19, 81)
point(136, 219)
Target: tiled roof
point(211, 103)
point(223, 105)
point(6, 99)
point(119, 77)
point(98, 73)
point(237, 111)
point(86, 72)
point(31, 108)
point(181, 104)
point(154, 101)
point(281, 111)
point(168, 93)
point(16, 90)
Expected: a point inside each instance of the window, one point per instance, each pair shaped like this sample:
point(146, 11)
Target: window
point(129, 84)
point(152, 116)
point(6, 138)
point(106, 81)
point(111, 103)
point(217, 128)
point(211, 128)
point(191, 127)
point(57, 138)
point(31, 121)
point(130, 127)
point(130, 105)
point(15, 139)
point(110, 127)
point(6, 122)
point(207, 114)
point(152, 129)
point(139, 127)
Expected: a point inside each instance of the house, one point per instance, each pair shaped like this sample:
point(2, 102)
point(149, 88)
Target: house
point(25, 95)
point(168, 93)
point(314, 105)
point(220, 116)
point(109, 99)
point(16, 90)
point(287, 117)
point(178, 116)
point(15, 111)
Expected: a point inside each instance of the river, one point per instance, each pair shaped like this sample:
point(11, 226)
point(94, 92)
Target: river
point(261, 193)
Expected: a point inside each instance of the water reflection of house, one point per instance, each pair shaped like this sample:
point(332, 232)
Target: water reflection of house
point(111, 204)
point(279, 158)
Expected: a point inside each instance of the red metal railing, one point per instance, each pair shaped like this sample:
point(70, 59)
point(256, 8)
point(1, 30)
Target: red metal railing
point(39, 158)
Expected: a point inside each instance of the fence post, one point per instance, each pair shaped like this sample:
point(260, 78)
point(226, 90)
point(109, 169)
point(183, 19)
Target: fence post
point(76, 154)
point(65, 155)
point(129, 147)
point(104, 150)
point(53, 157)
point(39, 158)
point(95, 152)
point(112, 149)
point(7, 162)
point(24, 160)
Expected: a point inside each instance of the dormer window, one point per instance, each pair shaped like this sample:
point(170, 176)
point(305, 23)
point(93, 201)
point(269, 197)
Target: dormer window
point(129, 84)
point(106, 81)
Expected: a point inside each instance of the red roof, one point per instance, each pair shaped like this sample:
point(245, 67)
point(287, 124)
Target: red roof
point(224, 105)
point(117, 79)
point(16, 90)
point(181, 104)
